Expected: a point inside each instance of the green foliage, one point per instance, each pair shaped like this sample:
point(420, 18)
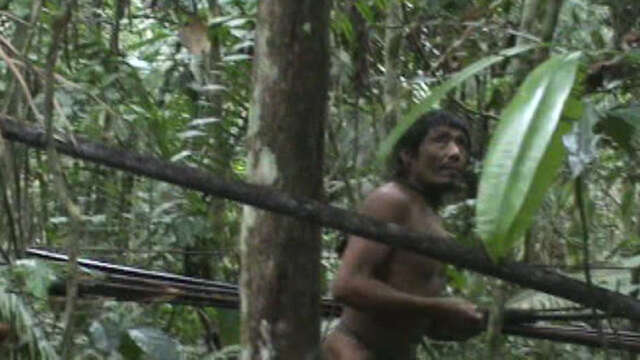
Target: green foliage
point(150, 342)
point(439, 92)
point(34, 277)
point(24, 324)
point(523, 156)
point(227, 353)
point(622, 125)
point(137, 85)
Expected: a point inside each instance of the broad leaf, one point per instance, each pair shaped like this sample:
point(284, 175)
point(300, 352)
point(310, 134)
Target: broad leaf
point(152, 342)
point(440, 92)
point(523, 155)
point(105, 336)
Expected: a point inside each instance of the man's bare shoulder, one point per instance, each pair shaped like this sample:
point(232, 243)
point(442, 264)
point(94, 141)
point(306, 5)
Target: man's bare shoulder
point(391, 192)
point(390, 202)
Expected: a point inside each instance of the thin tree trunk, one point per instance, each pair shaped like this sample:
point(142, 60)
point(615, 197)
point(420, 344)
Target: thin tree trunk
point(360, 82)
point(392, 46)
point(206, 65)
point(529, 11)
point(12, 157)
point(495, 337)
point(280, 280)
point(8, 195)
point(115, 29)
point(58, 28)
point(551, 16)
point(527, 22)
point(635, 272)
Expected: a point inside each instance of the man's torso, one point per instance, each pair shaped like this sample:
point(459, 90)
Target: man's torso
point(407, 272)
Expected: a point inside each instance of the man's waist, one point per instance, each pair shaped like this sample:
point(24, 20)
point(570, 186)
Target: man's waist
point(398, 329)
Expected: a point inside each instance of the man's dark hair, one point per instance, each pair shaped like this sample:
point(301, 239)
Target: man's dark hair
point(412, 138)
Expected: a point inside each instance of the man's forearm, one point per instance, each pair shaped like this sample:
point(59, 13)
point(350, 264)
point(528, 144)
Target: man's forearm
point(371, 295)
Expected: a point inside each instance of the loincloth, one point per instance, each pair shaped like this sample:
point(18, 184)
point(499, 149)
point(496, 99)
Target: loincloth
point(379, 350)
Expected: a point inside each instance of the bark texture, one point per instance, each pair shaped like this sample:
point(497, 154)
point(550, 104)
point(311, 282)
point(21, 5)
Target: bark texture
point(280, 281)
point(551, 17)
point(392, 45)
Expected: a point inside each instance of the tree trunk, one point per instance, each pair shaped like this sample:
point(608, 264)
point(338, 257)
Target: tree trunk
point(280, 281)
point(392, 46)
point(530, 9)
point(551, 16)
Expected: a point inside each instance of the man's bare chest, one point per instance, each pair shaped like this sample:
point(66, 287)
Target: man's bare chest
point(416, 274)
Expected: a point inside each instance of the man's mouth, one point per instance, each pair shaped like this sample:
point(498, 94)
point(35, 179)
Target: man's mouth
point(451, 169)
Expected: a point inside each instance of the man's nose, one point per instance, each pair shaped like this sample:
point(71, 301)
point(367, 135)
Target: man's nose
point(454, 151)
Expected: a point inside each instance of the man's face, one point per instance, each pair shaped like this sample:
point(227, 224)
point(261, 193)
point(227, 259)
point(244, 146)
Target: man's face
point(441, 158)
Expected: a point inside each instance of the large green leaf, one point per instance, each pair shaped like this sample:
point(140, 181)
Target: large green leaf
point(523, 155)
point(441, 91)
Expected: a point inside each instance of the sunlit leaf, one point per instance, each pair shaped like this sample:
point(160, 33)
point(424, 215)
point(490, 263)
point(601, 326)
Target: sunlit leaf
point(164, 207)
point(581, 142)
point(105, 336)
point(243, 45)
point(228, 352)
point(236, 57)
point(523, 155)
point(238, 21)
point(208, 88)
point(440, 92)
point(181, 155)
point(222, 20)
point(190, 134)
point(36, 276)
point(59, 220)
point(631, 262)
point(154, 343)
point(203, 121)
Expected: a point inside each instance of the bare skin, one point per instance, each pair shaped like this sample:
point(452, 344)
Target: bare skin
point(393, 297)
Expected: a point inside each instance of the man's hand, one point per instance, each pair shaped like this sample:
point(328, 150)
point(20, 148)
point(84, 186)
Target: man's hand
point(459, 320)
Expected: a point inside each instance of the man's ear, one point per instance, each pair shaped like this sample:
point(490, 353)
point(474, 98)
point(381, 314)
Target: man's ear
point(405, 157)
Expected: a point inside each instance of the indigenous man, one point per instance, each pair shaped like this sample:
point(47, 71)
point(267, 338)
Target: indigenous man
point(392, 297)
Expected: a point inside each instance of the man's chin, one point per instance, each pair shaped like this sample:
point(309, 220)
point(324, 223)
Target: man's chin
point(448, 185)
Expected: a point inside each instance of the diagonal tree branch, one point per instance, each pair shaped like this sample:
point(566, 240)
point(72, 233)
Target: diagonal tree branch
point(444, 249)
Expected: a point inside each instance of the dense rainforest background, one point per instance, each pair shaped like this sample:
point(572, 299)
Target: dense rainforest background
point(173, 80)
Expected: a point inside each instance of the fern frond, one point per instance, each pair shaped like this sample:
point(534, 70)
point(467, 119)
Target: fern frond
point(13, 310)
